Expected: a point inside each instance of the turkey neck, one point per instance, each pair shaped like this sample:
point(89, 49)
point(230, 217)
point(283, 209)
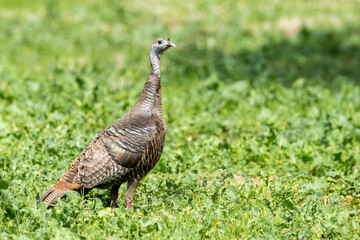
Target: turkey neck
point(150, 97)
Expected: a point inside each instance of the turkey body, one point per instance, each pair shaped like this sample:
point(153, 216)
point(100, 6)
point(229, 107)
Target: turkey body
point(124, 152)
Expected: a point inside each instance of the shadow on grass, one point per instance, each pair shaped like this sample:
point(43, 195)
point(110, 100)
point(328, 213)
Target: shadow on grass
point(321, 56)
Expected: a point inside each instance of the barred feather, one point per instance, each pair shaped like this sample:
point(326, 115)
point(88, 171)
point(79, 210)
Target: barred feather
point(125, 151)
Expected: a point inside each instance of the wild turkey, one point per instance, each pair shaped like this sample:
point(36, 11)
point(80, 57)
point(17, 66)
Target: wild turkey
point(127, 150)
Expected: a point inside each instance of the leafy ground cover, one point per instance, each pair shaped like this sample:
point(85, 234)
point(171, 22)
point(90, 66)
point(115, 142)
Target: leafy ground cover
point(261, 102)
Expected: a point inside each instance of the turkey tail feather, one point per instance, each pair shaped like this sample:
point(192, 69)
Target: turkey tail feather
point(61, 187)
point(49, 198)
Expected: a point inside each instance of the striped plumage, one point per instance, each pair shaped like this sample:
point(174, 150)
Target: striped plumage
point(127, 150)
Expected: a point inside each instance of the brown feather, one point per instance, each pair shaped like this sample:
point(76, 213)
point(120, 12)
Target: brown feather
point(125, 151)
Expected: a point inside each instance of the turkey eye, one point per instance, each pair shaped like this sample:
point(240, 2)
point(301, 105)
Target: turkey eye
point(159, 42)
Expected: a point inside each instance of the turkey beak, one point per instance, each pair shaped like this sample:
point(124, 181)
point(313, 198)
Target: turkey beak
point(171, 44)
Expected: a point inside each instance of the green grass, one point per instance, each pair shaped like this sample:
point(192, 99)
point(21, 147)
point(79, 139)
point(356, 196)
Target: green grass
point(261, 102)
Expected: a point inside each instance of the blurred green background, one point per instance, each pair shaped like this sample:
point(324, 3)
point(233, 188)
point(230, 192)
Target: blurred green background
point(261, 101)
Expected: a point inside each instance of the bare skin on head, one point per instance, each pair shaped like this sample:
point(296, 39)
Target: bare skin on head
point(127, 150)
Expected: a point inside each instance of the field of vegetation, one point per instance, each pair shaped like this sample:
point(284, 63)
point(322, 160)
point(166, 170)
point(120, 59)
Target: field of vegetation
point(261, 101)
